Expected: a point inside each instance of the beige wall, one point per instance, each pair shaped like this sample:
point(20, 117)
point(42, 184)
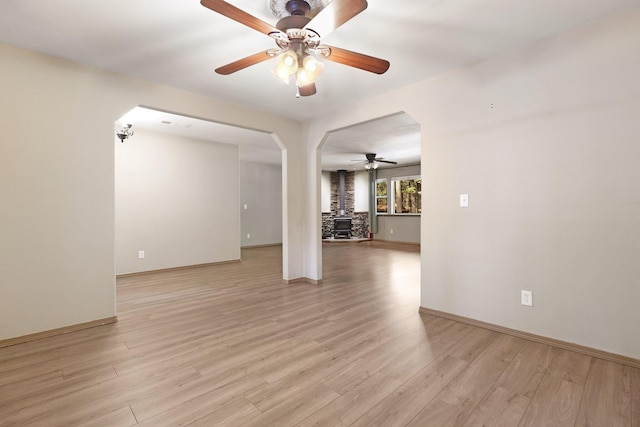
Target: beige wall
point(544, 140)
point(261, 192)
point(177, 199)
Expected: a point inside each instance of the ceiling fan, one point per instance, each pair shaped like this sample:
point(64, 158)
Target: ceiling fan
point(373, 162)
point(297, 36)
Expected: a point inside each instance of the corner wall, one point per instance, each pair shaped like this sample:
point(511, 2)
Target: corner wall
point(177, 199)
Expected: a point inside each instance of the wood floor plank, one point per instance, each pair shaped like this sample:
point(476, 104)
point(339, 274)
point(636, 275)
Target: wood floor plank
point(466, 390)
point(414, 360)
point(231, 344)
point(27, 373)
point(469, 350)
point(524, 373)
point(352, 405)
point(99, 399)
point(509, 398)
point(635, 397)
point(20, 390)
point(122, 417)
point(21, 406)
point(273, 394)
point(500, 407)
point(557, 399)
point(359, 370)
point(234, 413)
point(555, 404)
point(296, 409)
point(606, 400)
point(569, 366)
point(20, 361)
point(408, 400)
point(340, 356)
point(197, 403)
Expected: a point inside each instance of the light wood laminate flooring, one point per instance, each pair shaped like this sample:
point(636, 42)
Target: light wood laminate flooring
point(230, 344)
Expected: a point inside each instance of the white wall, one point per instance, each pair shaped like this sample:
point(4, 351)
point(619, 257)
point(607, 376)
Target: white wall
point(544, 139)
point(177, 199)
point(261, 192)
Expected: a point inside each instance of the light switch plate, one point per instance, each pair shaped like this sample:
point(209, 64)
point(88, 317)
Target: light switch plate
point(464, 200)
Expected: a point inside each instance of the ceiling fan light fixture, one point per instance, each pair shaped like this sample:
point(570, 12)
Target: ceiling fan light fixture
point(312, 66)
point(311, 69)
point(286, 66)
point(371, 165)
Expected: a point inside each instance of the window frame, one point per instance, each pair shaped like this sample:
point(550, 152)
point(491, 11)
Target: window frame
point(386, 196)
point(392, 201)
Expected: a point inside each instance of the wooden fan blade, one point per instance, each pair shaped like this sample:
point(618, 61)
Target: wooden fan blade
point(239, 15)
point(357, 60)
point(334, 15)
point(386, 161)
point(243, 63)
point(307, 90)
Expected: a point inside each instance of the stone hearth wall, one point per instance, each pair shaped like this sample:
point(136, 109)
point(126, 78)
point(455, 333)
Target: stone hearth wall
point(359, 220)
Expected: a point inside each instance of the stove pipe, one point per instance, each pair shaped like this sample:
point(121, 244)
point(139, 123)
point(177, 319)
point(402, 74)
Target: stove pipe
point(342, 173)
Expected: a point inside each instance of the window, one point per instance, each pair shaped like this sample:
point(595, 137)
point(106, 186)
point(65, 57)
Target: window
point(381, 196)
point(406, 195)
point(403, 196)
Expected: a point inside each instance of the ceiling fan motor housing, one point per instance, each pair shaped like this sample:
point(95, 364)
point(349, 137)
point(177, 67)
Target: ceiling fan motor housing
point(298, 7)
point(293, 21)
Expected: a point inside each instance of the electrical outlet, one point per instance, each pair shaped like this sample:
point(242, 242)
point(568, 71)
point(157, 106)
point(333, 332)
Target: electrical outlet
point(140, 254)
point(248, 236)
point(391, 231)
point(526, 298)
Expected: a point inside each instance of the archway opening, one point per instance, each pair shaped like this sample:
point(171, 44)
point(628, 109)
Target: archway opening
point(191, 191)
point(382, 200)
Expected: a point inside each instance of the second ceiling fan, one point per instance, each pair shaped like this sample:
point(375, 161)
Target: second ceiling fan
point(298, 39)
point(373, 162)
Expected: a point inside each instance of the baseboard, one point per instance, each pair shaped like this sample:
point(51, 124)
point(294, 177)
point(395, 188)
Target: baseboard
point(182, 267)
point(302, 280)
point(266, 245)
point(396, 241)
point(59, 331)
point(588, 351)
